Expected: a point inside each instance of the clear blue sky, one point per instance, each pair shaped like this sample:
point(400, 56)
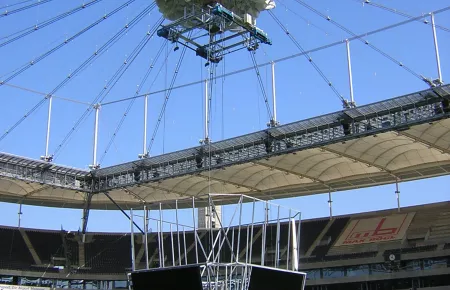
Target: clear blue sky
point(237, 109)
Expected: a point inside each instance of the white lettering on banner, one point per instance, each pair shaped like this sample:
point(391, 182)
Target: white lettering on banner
point(378, 229)
point(17, 287)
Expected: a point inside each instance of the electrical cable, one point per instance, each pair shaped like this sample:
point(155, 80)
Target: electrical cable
point(116, 77)
point(261, 84)
point(130, 105)
point(31, 63)
point(286, 58)
point(163, 109)
point(24, 32)
point(361, 39)
point(318, 70)
point(40, 2)
point(92, 58)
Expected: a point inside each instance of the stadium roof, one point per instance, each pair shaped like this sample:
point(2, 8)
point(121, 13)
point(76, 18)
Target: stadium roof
point(405, 138)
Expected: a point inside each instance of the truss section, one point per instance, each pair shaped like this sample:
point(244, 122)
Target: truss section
point(264, 236)
point(395, 114)
point(30, 170)
point(417, 122)
point(211, 22)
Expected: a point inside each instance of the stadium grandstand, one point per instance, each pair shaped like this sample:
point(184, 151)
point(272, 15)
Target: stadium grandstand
point(386, 249)
point(222, 149)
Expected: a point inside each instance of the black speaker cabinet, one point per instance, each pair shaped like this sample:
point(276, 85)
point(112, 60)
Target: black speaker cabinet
point(263, 278)
point(189, 278)
point(174, 278)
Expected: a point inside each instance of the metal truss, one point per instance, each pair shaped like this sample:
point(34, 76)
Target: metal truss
point(212, 21)
point(228, 252)
point(391, 115)
point(396, 114)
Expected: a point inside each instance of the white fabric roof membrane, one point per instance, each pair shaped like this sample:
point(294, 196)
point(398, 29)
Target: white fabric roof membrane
point(174, 9)
point(422, 151)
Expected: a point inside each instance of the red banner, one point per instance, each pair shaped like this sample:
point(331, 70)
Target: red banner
point(373, 230)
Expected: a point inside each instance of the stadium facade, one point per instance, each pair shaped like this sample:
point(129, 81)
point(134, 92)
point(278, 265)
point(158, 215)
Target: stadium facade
point(386, 249)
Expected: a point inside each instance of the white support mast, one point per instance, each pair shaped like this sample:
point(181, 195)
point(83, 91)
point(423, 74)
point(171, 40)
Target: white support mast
point(206, 139)
point(144, 146)
point(94, 164)
point(294, 246)
point(436, 47)
point(274, 121)
point(350, 74)
point(46, 156)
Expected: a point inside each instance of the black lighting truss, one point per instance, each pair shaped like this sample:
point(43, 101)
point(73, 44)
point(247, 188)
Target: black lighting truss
point(395, 114)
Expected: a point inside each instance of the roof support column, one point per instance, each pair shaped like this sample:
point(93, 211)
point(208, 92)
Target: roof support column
point(85, 218)
point(144, 150)
point(208, 93)
point(95, 165)
point(133, 254)
point(47, 157)
point(397, 193)
point(20, 214)
point(436, 47)
point(330, 201)
point(350, 75)
point(274, 121)
point(147, 266)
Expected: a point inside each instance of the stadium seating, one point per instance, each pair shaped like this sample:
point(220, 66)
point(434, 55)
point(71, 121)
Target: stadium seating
point(14, 253)
point(46, 244)
point(110, 253)
point(331, 236)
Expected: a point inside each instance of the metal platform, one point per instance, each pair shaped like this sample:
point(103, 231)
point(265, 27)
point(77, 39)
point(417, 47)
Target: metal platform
point(222, 256)
point(400, 139)
point(220, 32)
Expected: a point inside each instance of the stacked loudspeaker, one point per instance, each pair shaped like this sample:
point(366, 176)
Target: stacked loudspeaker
point(189, 278)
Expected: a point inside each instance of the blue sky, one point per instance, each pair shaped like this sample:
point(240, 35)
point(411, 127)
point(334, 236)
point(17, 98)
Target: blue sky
point(237, 107)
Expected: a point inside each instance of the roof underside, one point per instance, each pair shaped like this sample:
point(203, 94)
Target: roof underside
point(405, 150)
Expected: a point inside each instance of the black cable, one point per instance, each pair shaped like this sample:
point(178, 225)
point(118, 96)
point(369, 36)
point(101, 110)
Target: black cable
point(166, 100)
point(40, 2)
point(54, 49)
point(261, 84)
point(361, 39)
point(92, 58)
point(130, 105)
point(116, 77)
point(24, 32)
point(319, 71)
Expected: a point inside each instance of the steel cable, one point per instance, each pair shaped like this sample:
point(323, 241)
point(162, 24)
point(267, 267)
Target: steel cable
point(31, 63)
point(395, 11)
point(361, 39)
point(261, 84)
point(24, 32)
point(116, 77)
point(92, 58)
point(316, 67)
point(166, 99)
point(130, 105)
point(40, 2)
